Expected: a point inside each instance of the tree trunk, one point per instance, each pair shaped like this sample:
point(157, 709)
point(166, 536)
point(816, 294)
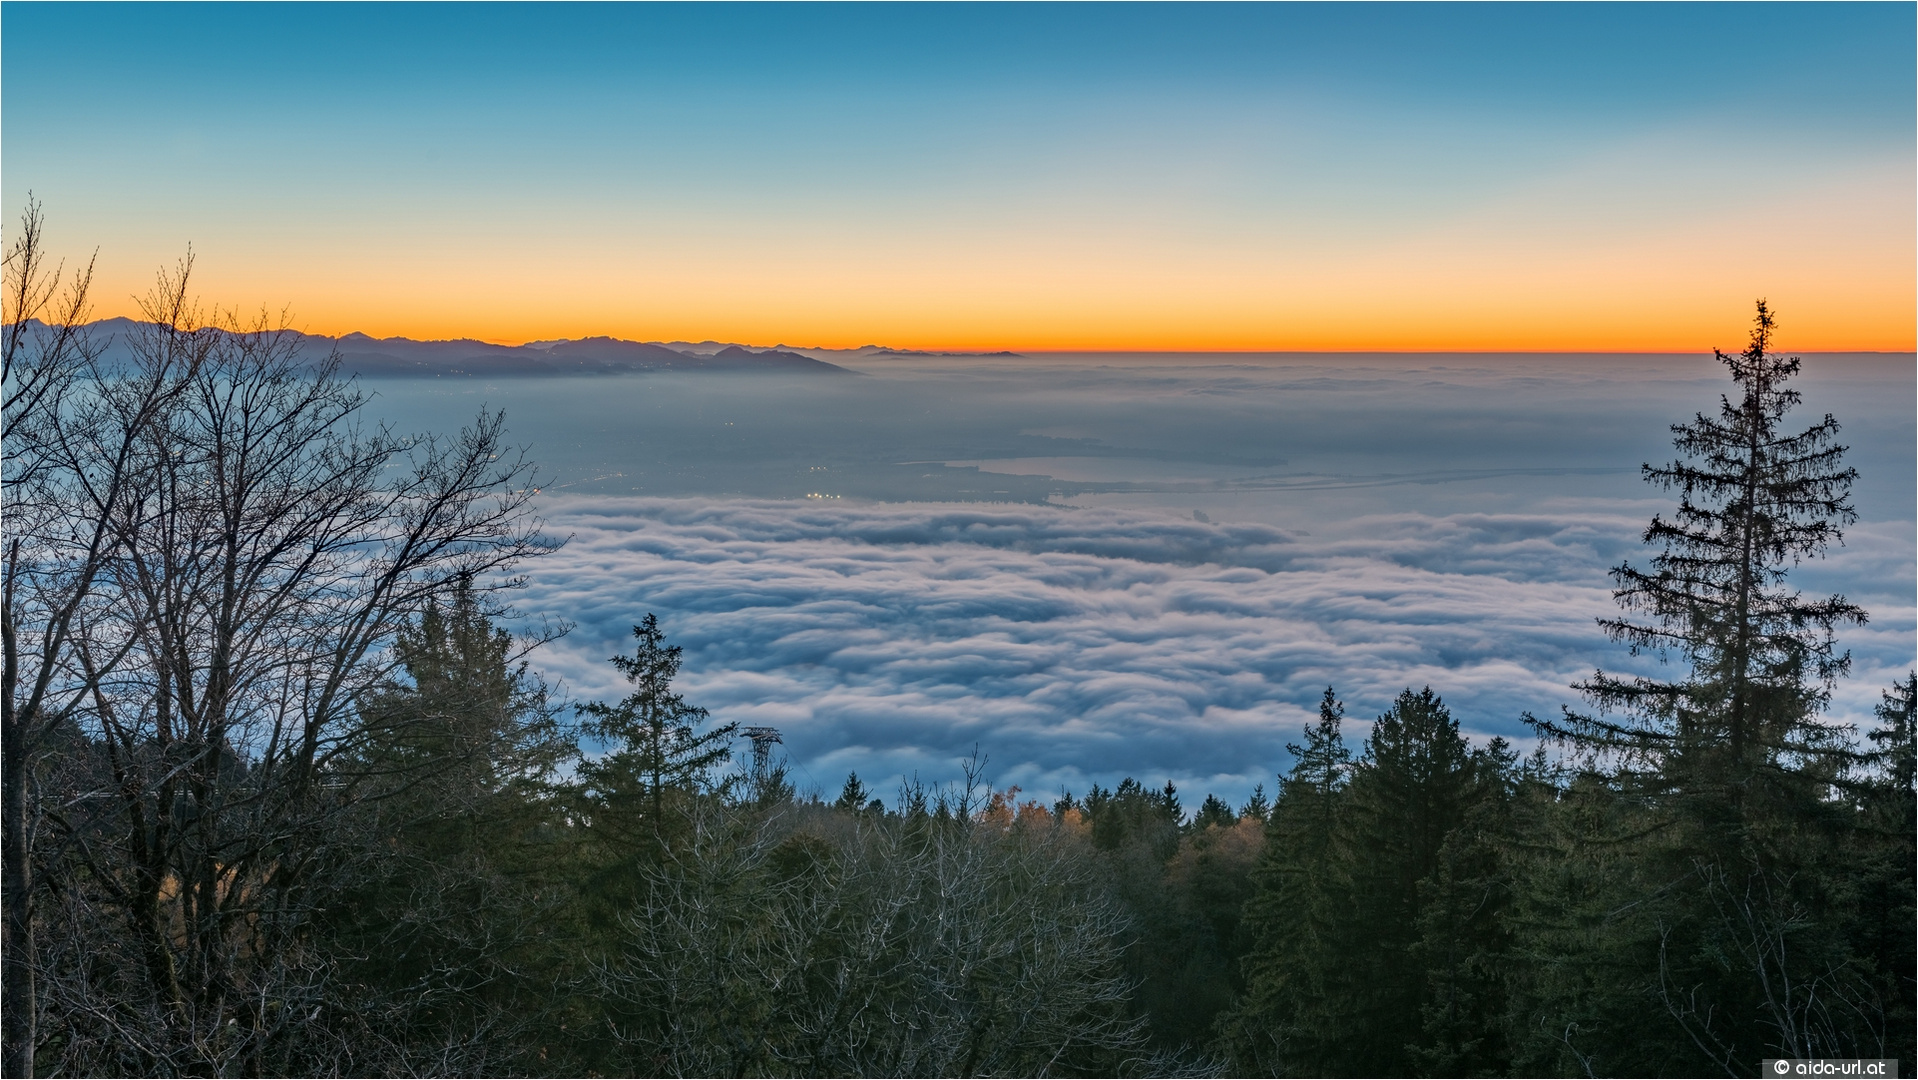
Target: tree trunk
point(16, 879)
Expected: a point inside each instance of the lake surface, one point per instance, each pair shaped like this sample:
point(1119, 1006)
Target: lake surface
point(1094, 566)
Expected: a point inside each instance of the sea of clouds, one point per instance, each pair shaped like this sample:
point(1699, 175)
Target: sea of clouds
point(1082, 645)
point(1185, 551)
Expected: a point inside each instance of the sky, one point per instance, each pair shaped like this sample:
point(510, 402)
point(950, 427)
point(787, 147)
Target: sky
point(1134, 177)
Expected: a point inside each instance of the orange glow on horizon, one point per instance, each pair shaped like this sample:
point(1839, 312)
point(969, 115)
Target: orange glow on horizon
point(1877, 315)
point(1836, 260)
point(1726, 332)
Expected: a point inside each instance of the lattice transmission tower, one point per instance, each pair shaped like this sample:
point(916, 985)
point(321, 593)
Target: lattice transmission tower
point(763, 739)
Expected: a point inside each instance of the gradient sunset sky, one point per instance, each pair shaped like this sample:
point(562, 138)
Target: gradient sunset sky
point(1297, 177)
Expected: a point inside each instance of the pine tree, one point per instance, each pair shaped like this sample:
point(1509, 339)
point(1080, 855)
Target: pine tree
point(854, 796)
point(1378, 920)
point(471, 723)
point(1886, 926)
point(455, 915)
point(1256, 806)
point(1136, 830)
point(1209, 881)
point(659, 752)
point(1754, 501)
point(1896, 742)
point(1409, 793)
point(1464, 941)
point(1292, 1017)
point(1135, 815)
point(1731, 868)
point(1213, 812)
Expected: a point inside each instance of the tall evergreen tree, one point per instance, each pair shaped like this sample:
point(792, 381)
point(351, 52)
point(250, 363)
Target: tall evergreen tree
point(1136, 831)
point(1409, 793)
point(1897, 744)
point(1732, 880)
point(1257, 805)
point(854, 796)
point(1754, 501)
point(1886, 925)
point(1294, 1013)
point(658, 750)
point(1463, 940)
point(1378, 935)
point(468, 721)
point(1213, 812)
point(455, 927)
point(1134, 815)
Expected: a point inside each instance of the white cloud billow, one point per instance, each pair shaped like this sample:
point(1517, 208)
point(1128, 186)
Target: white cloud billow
point(1075, 645)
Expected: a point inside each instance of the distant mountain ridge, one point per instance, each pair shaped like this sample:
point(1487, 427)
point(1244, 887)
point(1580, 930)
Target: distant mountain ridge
point(364, 354)
point(367, 355)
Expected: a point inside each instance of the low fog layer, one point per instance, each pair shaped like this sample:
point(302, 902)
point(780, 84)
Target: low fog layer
point(1104, 566)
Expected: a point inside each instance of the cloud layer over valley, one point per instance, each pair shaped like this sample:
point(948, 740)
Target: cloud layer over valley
point(1078, 645)
point(1241, 532)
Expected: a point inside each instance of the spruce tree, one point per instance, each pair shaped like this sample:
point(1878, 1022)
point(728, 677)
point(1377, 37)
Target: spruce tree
point(1754, 501)
point(1464, 941)
point(658, 751)
point(1293, 1015)
point(1136, 830)
point(1897, 751)
point(1886, 923)
point(472, 722)
point(1377, 925)
point(1257, 806)
point(1213, 812)
point(455, 918)
point(1134, 815)
point(854, 796)
point(1409, 793)
point(1733, 880)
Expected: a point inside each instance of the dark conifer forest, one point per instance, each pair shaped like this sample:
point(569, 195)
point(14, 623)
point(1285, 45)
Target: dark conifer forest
point(283, 796)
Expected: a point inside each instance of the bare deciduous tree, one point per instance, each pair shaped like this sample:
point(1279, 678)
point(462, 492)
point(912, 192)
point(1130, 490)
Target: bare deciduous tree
point(821, 944)
point(210, 557)
point(68, 466)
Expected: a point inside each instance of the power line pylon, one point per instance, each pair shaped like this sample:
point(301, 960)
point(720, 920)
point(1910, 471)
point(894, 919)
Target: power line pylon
point(763, 739)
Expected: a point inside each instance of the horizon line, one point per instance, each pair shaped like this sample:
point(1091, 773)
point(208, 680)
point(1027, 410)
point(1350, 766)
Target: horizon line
point(962, 351)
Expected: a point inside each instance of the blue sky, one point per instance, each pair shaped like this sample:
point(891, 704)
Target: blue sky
point(1619, 61)
point(1076, 175)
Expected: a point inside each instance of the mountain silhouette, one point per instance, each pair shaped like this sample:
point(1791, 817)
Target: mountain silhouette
point(367, 355)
